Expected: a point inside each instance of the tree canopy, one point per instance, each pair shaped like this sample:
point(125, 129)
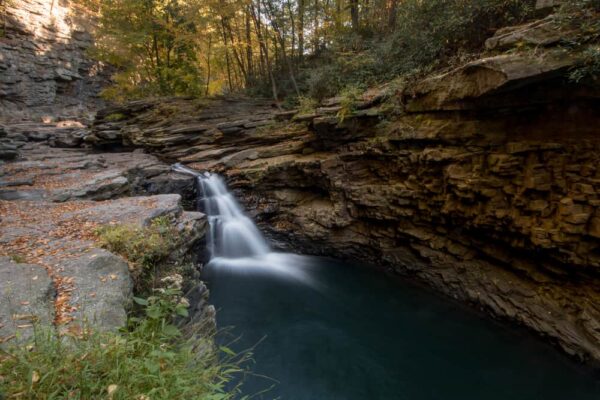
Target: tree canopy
point(284, 48)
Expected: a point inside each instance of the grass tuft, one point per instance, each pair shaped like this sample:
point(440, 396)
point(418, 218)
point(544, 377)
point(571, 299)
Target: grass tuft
point(150, 359)
point(144, 247)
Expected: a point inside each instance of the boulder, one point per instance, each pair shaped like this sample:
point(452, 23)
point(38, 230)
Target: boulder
point(26, 299)
point(102, 289)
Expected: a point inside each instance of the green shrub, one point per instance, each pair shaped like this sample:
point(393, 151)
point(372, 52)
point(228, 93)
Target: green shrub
point(340, 70)
point(115, 117)
point(589, 68)
point(144, 247)
point(18, 258)
point(307, 105)
point(349, 98)
point(149, 360)
point(427, 35)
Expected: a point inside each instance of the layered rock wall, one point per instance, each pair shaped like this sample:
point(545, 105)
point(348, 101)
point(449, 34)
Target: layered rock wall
point(44, 69)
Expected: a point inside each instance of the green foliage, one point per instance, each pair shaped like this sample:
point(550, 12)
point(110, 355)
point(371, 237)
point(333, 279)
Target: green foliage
point(144, 247)
point(149, 360)
point(307, 105)
point(349, 98)
point(18, 258)
point(153, 45)
point(339, 70)
point(115, 117)
point(583, 16)
point(589, 68)
point(426, 35)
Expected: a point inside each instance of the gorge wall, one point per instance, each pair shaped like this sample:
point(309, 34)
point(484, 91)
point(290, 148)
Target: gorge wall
point(482, 182)
point(44, 69)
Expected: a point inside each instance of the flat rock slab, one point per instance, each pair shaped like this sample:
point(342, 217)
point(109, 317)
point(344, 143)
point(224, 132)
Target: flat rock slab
point(103, 289)
point(26, 298)
point(58, 174)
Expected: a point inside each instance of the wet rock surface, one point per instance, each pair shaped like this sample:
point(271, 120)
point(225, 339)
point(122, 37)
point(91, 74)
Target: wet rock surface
point(482, 182)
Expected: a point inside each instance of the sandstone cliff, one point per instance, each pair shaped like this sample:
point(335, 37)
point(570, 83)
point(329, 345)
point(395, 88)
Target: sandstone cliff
point(44, 69)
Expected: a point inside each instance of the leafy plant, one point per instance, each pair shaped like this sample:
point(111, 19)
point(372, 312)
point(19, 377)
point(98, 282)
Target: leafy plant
point(348, 101)
point(115, 117)
point(589, 68)
point(150, 359)
point(18, 258)
point(307, 105)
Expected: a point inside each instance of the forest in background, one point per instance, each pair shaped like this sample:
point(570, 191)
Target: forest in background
point(293, 49)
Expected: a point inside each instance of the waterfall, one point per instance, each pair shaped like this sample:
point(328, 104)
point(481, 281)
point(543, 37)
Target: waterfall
point(235, 244)
point(231, 233)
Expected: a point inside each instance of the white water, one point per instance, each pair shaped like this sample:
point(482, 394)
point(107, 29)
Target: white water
point(234, 242)
point(232, 234)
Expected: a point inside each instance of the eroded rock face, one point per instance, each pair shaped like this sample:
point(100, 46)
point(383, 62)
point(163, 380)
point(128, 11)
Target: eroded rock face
point(485, 185)
point(44, 70)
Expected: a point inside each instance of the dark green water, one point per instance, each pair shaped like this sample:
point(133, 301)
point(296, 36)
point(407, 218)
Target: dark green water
point(335, 331)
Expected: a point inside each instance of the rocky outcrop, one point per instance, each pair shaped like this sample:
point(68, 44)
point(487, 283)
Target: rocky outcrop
point(44, 69)
point(63, 174)
point(52, 200)
point(200, 124)
point(481, 182)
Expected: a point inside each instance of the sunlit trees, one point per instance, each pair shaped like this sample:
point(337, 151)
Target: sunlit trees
point(281, 48)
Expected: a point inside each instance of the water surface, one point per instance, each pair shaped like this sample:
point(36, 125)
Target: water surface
point(329, 330)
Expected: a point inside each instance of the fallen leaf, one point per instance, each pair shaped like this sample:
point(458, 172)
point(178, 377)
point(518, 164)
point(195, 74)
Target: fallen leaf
point(35, 377)
point(111, 390)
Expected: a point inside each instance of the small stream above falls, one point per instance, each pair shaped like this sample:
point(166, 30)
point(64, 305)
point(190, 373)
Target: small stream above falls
point(324, 329)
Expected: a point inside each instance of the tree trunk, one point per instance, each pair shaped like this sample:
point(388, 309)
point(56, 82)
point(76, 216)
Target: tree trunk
point(300, 31)
point(392, 14)
point(208, 65)
point(249, 57)
point(354, 14)
point(265, 50)
point(281, 40)
point(227, 62)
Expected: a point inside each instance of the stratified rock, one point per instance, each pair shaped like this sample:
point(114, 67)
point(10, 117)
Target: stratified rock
point(49, 217)
point(459, 89)
point(69, 174)
point(543, 32)
point(44, 68)
point(8, 151)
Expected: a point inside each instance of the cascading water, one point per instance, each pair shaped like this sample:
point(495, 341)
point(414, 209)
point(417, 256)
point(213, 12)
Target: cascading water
point(232, 234)
point(234, 242)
